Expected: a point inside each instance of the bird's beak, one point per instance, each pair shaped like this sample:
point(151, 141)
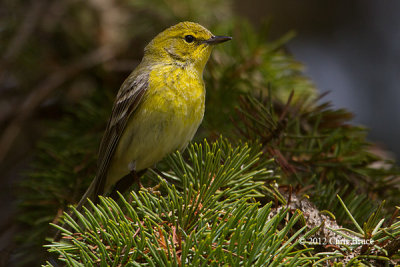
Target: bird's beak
point(217, 40)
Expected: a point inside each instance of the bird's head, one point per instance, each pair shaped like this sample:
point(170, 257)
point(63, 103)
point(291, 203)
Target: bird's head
point(184, 44)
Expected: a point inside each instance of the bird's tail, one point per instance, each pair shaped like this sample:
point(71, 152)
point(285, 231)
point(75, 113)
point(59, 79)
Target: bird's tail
point(95, 189)
point(89, 194)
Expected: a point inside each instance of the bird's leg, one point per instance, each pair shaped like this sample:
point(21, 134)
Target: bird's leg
point(134, 174)
point(123, 184)
point(136, 178)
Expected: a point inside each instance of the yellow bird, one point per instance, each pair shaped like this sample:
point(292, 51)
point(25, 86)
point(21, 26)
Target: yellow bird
point(158, 108)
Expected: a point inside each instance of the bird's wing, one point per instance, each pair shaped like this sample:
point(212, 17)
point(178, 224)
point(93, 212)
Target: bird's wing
point(127, 100)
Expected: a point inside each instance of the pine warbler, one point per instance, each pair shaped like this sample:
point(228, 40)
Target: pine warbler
point(158, 108)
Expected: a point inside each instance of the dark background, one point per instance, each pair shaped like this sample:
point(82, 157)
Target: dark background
point(350, 48)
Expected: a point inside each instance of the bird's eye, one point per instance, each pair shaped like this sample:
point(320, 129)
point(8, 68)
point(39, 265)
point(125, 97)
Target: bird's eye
point(189, 38)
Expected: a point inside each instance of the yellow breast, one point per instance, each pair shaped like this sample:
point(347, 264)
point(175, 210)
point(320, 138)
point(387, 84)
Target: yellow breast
point(178, 92)
point(165, 121)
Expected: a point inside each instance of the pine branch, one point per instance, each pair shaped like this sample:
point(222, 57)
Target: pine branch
point(212, 218)
point(320, 151)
